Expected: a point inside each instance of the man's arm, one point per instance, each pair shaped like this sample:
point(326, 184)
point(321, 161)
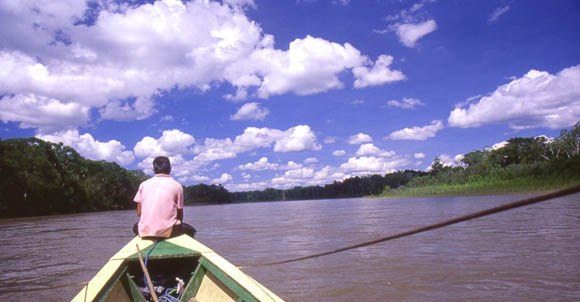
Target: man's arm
point(180, 203)
point(139, 209)
point(180, 215)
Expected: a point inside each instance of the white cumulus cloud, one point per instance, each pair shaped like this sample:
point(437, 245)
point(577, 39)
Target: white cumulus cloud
point(247, 186)
point(251, 111)
point(359, 139)
point(260, 165)
point(405, 103)
point(417, 133)
point(295, 139)
point(253, 138)
point(224, 178)
point(56, 71)
point(373, 164)
point(171, 142)
point(298, 138)
point(90, 148)
point(291, 165)
point(175, 144)
point(311, 160)
point(241, 3)
point(47, 114)
point(198, 178)
point(300, 173)
point(330, 139)
point(538, 99)
point(379, 74)
point(310, 65)
point(419, 155)
point(370, 149)
point(217, 149)
point(410, 33)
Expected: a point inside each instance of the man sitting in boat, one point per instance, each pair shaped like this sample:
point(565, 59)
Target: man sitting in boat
point(160, 204)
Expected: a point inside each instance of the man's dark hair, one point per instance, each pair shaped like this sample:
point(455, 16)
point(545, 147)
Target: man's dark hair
point(161, 165)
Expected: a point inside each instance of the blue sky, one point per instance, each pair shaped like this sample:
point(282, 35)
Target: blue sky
point(254, 94)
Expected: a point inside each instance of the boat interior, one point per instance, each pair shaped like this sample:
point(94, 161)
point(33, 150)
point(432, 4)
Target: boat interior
point(201, 280)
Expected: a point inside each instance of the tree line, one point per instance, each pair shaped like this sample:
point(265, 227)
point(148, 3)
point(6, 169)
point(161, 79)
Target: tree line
point(357, 186)
point(519, 158)
point(42, 178)
point(532, 159)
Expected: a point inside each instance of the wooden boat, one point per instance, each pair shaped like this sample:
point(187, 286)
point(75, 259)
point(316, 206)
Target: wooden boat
point(207, 277)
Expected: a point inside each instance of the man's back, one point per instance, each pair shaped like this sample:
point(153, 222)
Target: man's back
point(159, 197)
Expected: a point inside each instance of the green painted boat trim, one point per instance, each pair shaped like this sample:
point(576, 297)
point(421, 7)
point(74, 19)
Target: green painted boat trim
point(202, 269)
point(243, 295)
point(102, 296)
point(194, 283)
point(165, 249)
point(132, 289)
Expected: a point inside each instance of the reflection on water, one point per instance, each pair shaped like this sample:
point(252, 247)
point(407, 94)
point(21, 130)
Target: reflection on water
point(527, 254)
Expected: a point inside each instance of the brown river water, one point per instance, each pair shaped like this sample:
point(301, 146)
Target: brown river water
point(526, 254)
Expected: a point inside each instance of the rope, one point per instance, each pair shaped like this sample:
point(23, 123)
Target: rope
point(147, 257)
point(166, 297)
point(502, 208)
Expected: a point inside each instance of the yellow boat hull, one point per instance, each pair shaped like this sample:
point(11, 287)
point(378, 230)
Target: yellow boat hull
point(208, 276)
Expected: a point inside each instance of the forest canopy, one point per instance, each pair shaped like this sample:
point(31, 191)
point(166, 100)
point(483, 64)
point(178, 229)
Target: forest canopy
point(41, 178)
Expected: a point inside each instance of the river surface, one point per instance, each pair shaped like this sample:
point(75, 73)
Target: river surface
point(526, 254)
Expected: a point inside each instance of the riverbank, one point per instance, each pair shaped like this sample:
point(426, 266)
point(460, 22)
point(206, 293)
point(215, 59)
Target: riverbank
point(498, 187)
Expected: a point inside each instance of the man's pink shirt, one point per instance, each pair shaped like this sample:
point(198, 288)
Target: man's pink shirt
point(160, 197)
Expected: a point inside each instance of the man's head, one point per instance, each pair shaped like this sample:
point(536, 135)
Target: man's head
point(161, 165)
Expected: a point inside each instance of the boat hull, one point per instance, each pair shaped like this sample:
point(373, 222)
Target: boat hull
point(208, 277)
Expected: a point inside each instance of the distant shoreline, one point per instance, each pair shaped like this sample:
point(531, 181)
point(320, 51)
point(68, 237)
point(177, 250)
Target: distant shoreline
point(511, 187)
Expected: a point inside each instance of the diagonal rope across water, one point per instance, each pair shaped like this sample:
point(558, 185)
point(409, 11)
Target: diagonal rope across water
point(495, 210)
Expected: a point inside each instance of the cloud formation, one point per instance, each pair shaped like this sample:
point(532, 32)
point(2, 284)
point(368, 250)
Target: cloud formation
point(261, 165)
point(498, 12)
point(63, 60)
point(370, 149)
point(405, 103)
point(90, 148)
point(177, 145)
point(224, 178)
point(417, 133)
point(297, 139)
point(47, 114)
point(538, 99)
point(410, 33)
point(359, 139)
point(251, 111)
point(330, 139)
point(379, 74)
point(419, 155)
point(373, 164)
point(171, 142)
point(311, 160)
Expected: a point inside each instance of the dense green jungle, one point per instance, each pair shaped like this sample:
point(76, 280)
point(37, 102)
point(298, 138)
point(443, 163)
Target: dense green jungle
point(43, 178)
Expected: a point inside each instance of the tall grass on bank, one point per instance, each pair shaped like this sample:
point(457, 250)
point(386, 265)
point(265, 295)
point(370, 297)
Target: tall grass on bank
point(515, 179)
